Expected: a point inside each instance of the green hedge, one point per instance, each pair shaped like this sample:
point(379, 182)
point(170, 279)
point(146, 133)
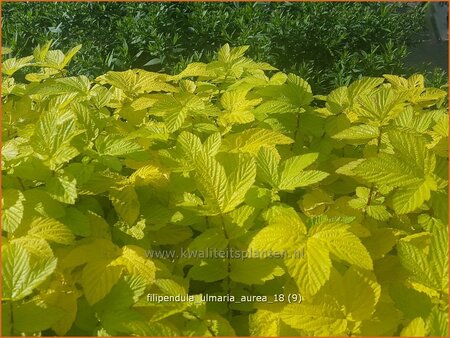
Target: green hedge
point(329, 44)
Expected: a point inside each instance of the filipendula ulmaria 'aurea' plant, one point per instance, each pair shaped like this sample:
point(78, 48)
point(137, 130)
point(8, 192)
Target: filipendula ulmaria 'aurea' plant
point(101, 178)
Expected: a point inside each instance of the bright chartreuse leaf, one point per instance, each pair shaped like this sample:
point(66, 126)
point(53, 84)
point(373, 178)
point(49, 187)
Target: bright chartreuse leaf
point(380, 106)
point(88, 251)
point(416, 328)
point(239, 182)
point(360, 132)
point(12, 209)
point(36, 246)
point(52, 138)
point(22, 273)
point(151, 329)
point(212, 324)
point(254, 271)
point(368, 201)
point(190, 144)
point(54, 58)
point(264, 323)
point(342, 243)
point(62, 188)
point(428, 271)
point(307, 256)
point(231, 63)
point(64, 298)
point(149, 175)
point(411, 198)
point(126, 203)
point(351, 299)
point(222, 191)
point(267, 163)
point(194, 69)
point(344, 99)
point(237, 108)
point(176, 108)
point(412, 148)
point(359, 292)
point(290, 174)
point(439, 255)
point(40, 52)
point(278, 237)
point(70, 86)
point(439, 134)
point(212, 144)
point(437, 322)
point(211, 238)
point(284, 214)
point(387, 169)
point(12, 65)
point(98, 278)
point(211, 181)
point(237, 222)
point(317, 319)
point(293, 175)
point(209, 270)
point(251, 140)
point(134, 82)
point(363, 86)
point(410, 168)
point(288, 97)
point(136, 263)
point(51, 230)
point(115, 309)
point(116, 145)
point(207, 267)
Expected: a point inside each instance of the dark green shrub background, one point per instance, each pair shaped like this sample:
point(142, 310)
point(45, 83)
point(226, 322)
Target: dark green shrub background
point(329, 44)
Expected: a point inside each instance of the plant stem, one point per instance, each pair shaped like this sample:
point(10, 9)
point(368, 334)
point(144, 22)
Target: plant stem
point(296, 131)
point(372, 187)
point(11, 317)
point(207, 326)
point(380, 133)
point(21, 183)
point(228, 281)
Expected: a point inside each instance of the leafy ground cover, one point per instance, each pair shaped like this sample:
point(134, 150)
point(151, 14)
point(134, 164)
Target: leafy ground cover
point(99, 176)
point(328, 44)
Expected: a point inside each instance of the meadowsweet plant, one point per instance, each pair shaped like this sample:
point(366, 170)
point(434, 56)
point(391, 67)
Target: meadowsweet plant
point(101, 178)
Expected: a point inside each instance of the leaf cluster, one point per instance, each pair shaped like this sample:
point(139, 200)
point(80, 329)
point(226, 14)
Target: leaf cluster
point(231, 155)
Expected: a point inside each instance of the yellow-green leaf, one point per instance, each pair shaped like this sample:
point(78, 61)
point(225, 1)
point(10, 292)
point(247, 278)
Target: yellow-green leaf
point(98, 278)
